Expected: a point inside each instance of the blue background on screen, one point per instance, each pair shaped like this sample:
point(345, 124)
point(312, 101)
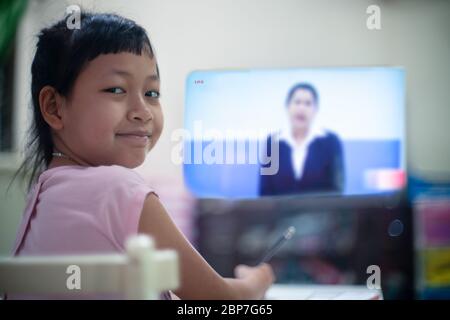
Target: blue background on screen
point(242, 180)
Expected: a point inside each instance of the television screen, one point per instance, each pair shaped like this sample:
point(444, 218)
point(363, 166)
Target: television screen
point(265, 132)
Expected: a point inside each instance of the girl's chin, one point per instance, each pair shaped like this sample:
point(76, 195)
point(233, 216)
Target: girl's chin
point(133, 162)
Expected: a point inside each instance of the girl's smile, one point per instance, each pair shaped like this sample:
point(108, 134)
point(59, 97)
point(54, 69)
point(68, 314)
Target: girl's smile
point(138, 138)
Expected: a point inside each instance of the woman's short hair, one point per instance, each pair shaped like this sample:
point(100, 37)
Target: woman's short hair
point(303, 86)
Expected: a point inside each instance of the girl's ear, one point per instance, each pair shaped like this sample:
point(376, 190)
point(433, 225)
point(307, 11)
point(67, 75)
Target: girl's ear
point(50, 103)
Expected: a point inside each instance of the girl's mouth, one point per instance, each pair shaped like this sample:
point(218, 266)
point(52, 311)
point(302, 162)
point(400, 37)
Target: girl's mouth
point(137, 140)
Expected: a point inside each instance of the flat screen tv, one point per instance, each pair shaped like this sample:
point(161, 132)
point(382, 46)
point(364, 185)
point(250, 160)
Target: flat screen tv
point(265, 132)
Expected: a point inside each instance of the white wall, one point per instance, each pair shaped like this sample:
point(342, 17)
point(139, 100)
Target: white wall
point(205, 34)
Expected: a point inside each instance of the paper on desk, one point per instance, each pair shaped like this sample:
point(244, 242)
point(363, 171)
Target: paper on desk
point(322, 292)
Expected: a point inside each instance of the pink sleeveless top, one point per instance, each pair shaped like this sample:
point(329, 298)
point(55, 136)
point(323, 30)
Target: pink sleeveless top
point(81, 210)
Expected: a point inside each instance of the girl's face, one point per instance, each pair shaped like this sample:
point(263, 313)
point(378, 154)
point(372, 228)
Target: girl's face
point(113, 114)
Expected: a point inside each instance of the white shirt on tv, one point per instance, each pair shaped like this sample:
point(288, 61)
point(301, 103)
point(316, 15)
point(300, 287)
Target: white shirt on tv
point(299, 152)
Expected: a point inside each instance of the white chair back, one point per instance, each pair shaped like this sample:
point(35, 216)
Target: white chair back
point(141, 273)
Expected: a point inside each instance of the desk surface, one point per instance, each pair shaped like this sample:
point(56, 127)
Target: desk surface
point(322, 292)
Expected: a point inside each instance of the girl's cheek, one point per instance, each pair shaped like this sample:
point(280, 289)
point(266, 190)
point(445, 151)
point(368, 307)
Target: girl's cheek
point(161, 118)
point(159, 125)
point(108, 114)
point(97, 126)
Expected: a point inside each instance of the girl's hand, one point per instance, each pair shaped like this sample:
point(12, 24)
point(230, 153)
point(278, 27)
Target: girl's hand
point(259, 278)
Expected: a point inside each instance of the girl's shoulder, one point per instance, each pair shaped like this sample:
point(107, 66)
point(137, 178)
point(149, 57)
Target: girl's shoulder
point(99, 176)
point(115, 173)
point(101, 184)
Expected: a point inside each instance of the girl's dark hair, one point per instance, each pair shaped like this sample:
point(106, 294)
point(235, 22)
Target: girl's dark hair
point(303, 86)
point(61, 54)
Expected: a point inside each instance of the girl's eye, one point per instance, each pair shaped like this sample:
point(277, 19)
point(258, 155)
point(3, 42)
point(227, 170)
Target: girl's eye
point(152, 94)
point(115, 90)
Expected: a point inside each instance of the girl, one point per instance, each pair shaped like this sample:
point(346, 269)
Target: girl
point(96, 114)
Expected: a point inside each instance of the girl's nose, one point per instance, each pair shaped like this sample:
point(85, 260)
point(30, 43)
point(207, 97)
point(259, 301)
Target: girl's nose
point(141, 111)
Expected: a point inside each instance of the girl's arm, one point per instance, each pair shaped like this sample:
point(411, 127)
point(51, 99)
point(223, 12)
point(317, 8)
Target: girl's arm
point(198, 280)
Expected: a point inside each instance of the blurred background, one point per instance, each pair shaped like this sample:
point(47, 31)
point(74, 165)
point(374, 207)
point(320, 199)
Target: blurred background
point(407, 235)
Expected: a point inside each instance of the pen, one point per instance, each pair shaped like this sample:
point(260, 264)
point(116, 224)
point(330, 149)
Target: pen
point(285, 237)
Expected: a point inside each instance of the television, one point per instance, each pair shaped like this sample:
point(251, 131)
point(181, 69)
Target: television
point(327, 130)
